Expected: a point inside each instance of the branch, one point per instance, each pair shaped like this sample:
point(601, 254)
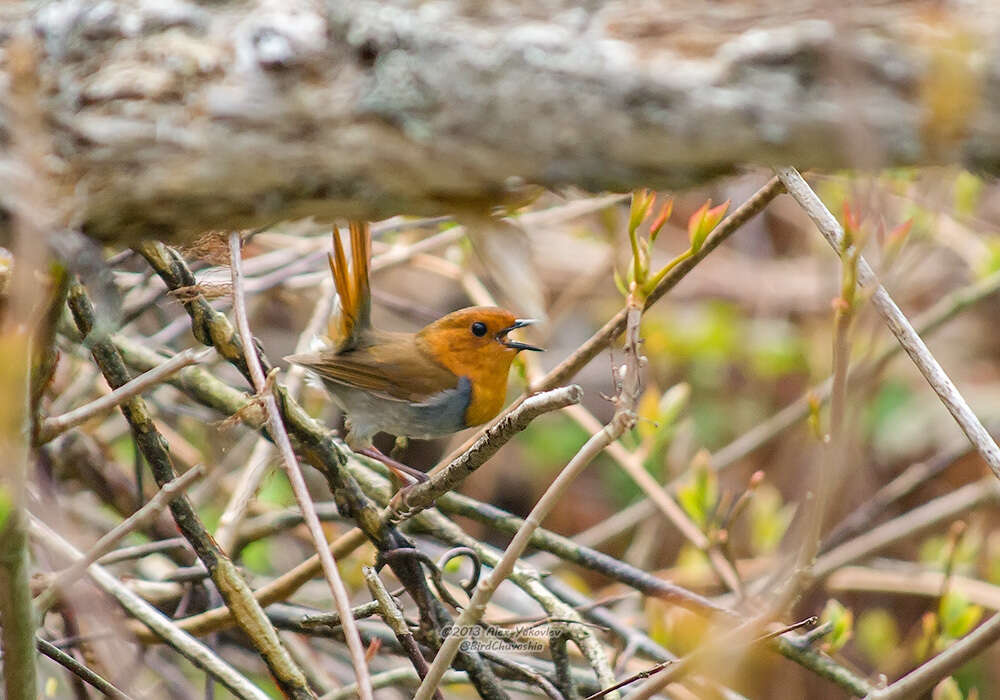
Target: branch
point(424, 494)
point(277, 430)
point(193, 650)
point(393, 617)
point(453, 110)
point(896, 321)
point(925, 677)
point(149, 511)
point(80, 670)
point(51, 427)
point(233, 587)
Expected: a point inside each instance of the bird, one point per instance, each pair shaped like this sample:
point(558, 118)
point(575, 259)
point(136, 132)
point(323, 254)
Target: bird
point(448, 376)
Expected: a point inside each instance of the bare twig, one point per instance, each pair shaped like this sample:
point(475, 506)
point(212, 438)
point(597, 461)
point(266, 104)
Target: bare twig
point(230, 583)
point(897, 322)
point(912, 580)
point(393, 617)
point(51, 427)
point(926, 676)
point(193, 650)
point(910, 524)
point(284, 445)
point(257, 465)
point(80, 670)
point(156, 504)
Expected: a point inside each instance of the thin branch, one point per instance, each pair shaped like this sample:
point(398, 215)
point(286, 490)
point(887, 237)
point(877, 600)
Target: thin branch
point(477, 605)
point(616, 326)
point(193, 650)
point(403, 676)
point(227, 579)
point(928, 322)
point(79, 670)
point(257, 465)
point(153, 508)
point(51, 427)
point(912, 523)
point(912, 580)
point(277, 430)
point(926, 676)
point(896, 321)
point(393, 617)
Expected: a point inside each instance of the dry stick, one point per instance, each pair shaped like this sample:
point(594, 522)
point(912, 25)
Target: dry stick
point(148, 512)
point(623, 419)
point(393, 617)
point(80, 671)
point(189, 647)
point(631, 462)
point(925, 677)
point(257, 464)
point(403, 676)
point(833, 460)
point(897, 322)
point(142, 550)
point(920, 519)
point(931, 320)
point(51, 427)
point(227, 579)
point(277, 429)
point(477, 605)
point(911, 580)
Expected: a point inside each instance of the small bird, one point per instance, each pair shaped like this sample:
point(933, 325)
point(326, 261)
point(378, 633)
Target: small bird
point(449, 376)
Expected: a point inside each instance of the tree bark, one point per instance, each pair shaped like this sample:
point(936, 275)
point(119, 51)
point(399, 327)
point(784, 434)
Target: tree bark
point(169, 117)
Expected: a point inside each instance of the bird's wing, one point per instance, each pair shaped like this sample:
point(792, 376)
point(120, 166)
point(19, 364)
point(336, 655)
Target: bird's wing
point(352, 283)
point(391, 367)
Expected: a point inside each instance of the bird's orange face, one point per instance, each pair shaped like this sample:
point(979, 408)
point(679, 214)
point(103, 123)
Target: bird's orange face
point(475, 343)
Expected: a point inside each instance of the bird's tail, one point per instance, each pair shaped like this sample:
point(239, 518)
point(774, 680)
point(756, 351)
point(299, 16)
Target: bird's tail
point(352, 285)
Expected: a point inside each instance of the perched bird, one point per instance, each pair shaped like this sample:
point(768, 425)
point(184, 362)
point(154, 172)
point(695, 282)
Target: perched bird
point(450, 375)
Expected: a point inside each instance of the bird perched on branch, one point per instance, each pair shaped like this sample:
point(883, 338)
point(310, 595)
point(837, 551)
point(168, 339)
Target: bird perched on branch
point(450, 375)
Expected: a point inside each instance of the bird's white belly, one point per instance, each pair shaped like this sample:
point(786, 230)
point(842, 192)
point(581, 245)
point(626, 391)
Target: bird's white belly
point(368, 414)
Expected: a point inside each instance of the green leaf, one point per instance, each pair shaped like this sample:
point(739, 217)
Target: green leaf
point(642, 200)
point(703, 221)
point(769, 519)
point(947, 690)
point(843, 624)
point(968, 190)
point(958, 615)
point(877, 635)
point(700, 494)
point(6, 507)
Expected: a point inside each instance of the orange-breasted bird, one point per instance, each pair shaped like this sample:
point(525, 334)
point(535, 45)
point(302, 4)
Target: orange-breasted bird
point(448, 376)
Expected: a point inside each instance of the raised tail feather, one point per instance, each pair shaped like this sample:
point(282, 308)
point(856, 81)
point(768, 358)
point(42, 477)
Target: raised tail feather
point(352, 284)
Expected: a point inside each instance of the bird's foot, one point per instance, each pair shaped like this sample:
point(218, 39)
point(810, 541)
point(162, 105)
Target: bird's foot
point(409, 477)
point(404, 472)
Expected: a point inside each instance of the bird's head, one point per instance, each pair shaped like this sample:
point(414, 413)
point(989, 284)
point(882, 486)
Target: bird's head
point(475, 342)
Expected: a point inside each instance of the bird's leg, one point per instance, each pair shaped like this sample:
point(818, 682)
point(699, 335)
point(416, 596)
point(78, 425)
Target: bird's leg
point(406, 473)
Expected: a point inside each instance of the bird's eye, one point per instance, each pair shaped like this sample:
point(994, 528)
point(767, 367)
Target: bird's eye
point(479, 329)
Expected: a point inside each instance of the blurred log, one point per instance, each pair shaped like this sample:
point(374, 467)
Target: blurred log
point(170, 117)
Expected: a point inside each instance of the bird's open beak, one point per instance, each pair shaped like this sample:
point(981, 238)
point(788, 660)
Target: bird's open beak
point(513, 344)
